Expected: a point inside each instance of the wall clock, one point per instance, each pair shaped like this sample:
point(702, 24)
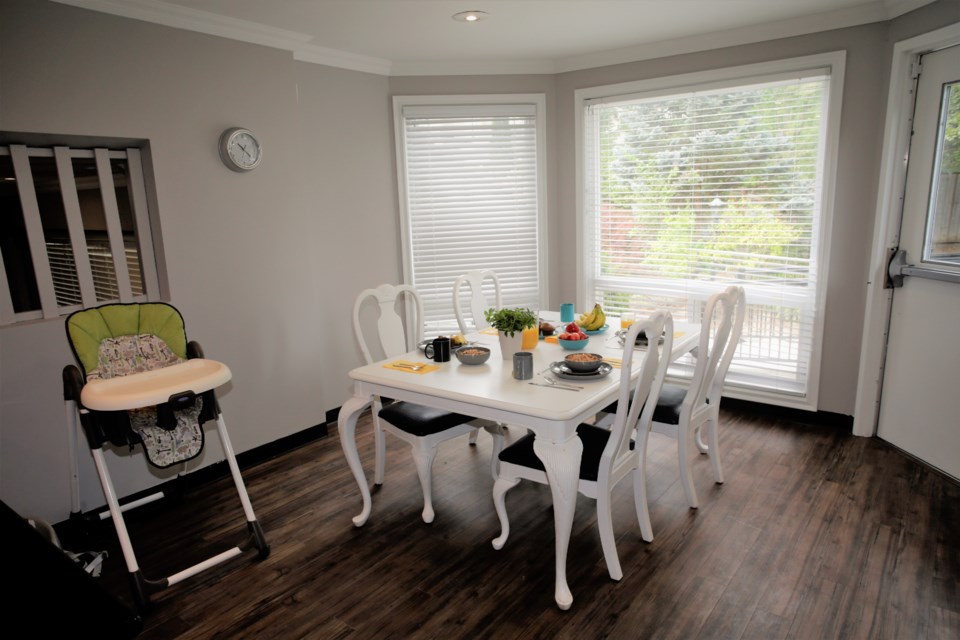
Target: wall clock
point(240, 150)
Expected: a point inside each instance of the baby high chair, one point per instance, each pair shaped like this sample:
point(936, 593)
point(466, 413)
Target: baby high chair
point(141, 382)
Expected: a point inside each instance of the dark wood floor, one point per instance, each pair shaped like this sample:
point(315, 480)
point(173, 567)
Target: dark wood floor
point(816, 534)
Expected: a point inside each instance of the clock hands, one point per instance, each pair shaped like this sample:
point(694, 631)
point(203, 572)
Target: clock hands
point(249, 155)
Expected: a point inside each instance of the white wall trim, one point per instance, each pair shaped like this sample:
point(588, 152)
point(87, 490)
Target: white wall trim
point(179, 17)
point(886, 233)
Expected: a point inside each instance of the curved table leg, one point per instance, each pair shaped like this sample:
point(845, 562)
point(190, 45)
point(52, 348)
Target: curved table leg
point(562, 462)
point(347, 426)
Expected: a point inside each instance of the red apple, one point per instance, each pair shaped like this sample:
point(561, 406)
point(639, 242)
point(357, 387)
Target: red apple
point(573, 327)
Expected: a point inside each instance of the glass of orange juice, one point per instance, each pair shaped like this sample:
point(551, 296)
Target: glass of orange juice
point(626, 319)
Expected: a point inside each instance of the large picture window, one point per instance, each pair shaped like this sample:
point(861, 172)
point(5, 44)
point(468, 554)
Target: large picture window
point(471, 184)
point(74, 231)
point(687, 189)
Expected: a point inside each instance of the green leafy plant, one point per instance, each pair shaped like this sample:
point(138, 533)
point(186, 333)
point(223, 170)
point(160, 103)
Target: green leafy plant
point(509, 321)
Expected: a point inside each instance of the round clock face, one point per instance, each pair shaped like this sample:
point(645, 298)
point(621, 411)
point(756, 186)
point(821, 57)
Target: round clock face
point(240, 150)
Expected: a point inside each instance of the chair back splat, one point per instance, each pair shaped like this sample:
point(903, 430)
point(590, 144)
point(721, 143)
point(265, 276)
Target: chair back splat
point(478, 301)
point(395, 338)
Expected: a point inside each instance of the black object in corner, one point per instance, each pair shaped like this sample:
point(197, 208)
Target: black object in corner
point(41, 578)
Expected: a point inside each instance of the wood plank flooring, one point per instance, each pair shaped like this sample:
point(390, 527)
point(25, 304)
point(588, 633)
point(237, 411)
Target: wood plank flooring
point(816, 534)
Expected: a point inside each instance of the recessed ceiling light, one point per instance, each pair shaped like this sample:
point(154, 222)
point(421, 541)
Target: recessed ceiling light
point(470, 16)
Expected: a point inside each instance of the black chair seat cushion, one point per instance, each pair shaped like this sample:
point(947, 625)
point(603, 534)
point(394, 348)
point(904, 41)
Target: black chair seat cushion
point(594, 442)
point(668, 405)
point(419, 420)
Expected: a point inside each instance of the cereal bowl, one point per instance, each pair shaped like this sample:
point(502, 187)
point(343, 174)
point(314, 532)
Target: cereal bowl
point(471, 354)
point(583, 362)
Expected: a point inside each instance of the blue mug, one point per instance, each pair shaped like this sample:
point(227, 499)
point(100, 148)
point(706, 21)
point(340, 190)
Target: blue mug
point(566, 312)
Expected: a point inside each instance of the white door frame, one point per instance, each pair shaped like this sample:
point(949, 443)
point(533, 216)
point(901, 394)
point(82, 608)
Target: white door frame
point(886, 234)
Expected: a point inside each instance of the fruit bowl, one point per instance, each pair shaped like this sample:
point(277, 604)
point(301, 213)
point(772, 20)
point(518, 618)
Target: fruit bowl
point(573, 345)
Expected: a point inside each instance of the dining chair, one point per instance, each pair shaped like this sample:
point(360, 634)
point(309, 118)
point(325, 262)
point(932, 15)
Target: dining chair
point(423, 428)
point(478, 301)
point(608, 455)
point(685, 411)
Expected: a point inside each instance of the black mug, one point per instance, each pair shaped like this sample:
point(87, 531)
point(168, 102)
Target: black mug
point(439, 349)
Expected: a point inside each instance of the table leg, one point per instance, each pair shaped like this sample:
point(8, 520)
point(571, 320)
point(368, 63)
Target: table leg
point(347, 426)
point(562, 462)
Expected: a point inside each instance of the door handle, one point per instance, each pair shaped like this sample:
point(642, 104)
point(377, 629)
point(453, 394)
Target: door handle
point(898, 268)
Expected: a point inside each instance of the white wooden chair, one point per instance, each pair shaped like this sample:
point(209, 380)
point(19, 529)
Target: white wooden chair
point(478, 301)
point(608, 455)
point(682, 412)
point(423, 428)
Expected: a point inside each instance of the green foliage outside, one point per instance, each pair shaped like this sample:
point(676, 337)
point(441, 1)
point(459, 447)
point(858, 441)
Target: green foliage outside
point(950, 158)
point(711, 186)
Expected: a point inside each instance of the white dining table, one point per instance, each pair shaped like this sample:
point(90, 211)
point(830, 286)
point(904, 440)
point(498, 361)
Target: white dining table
point(489, 391)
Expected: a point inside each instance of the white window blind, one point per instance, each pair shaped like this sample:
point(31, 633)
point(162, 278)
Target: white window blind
point(688, 192)
point(471, 180)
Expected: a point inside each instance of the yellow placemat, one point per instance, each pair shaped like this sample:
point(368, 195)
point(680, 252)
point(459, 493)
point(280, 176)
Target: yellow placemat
point(679, 334)
point(409, 366)
point(551, 339)
point(614, 362)
point(489, 331)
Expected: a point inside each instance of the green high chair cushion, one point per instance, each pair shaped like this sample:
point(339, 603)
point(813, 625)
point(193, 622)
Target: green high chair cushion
point(87, 329)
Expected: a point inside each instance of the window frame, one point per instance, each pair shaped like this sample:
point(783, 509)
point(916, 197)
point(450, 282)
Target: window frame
point(146, 236)
point(834, 63)
point(457, 101)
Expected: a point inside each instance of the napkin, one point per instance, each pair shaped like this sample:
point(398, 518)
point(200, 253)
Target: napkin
point(427, 368)
point(614, 362)
point(489, 331)
point(551, 339)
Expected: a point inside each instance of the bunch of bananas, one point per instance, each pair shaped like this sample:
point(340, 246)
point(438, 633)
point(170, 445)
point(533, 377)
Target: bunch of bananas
point(593, 320)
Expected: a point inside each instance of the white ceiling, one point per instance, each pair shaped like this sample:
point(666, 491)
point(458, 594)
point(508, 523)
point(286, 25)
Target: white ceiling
point(419, 37)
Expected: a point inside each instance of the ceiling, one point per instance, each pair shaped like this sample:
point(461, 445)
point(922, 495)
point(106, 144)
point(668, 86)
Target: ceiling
point(419, 37)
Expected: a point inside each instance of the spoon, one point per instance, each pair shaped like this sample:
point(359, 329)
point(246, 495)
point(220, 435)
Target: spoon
point(554, 383)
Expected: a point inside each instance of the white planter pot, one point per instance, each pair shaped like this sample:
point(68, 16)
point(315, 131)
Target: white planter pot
point(509, 346)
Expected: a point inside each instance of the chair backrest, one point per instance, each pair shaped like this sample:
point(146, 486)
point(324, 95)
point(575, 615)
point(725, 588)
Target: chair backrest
point(478, 302)
point(720, 331)
point(391, 330)
point(118, 339)
point(640, 394)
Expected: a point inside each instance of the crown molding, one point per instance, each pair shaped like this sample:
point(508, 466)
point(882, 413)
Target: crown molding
point(179, 17)
point(343, 59)
point(862, 14)
point(159, 12)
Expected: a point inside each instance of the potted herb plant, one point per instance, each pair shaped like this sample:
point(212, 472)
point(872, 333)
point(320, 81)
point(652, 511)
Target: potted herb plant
point(510, 323)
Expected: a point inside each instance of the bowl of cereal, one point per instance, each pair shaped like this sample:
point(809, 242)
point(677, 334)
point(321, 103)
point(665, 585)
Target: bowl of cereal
point(583, 362)
point(471, 354)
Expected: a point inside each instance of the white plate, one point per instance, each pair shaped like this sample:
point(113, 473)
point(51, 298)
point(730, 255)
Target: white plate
point(561, 370)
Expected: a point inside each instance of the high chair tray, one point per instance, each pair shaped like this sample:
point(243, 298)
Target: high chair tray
point(154, 387)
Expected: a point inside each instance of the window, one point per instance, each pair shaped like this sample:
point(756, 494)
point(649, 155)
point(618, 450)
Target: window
point(471, 197)
point(942, 242)
point(74, 231)
point(694, 183)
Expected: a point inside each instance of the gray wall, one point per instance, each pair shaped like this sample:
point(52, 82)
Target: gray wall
point(265, 266)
